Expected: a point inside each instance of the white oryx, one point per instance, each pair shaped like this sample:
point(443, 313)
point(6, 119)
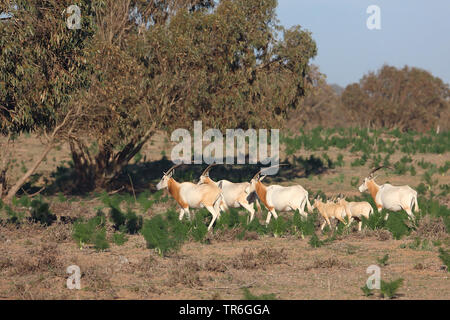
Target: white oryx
point(190, 195)
point(276, 197)
point(394, 198)
point(234, 195)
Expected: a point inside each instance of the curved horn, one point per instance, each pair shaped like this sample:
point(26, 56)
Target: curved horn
point(374, 170)
point(257, 174)
point(171, 169)
point(206, 171)
point(260, 171)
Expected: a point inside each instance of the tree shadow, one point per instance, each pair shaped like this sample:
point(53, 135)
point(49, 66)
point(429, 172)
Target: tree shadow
point(142, 176)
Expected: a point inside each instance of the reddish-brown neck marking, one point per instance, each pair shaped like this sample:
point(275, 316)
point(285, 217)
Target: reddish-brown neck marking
point(174, 190)
point(261, 191)
point(373, 190)
point(208, 180)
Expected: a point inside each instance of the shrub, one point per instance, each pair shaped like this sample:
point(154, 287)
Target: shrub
point(389, 289)
point(445, 257)
point(367, 292)
point(162, 236)
point(100, 242)
point(396, 225)
point(250, 296)
point(129, 222)
point(198, 229)
point(305, 227)
point(383, 261)
point(119, 238)
point(40, 212)
point(87, 232)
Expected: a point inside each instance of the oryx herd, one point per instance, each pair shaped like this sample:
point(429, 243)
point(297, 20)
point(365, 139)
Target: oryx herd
point(218, 196)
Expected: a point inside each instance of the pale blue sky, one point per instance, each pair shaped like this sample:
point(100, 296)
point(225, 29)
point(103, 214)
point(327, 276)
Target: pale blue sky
point(413, 32)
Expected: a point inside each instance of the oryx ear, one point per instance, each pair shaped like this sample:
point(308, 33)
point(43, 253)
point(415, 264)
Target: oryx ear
point(262, 177)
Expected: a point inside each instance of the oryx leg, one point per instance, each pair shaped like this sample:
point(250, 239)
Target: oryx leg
point(214, 216)
point(409, 212)
point(269, 215)
point(325, 222)
point(249, 208)
point(180, 217)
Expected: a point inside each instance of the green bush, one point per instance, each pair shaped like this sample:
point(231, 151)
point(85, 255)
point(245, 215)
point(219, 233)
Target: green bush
point(250, 296)
point(198, 229)
point(305, 227)
point(40, 212)
point(126, 222)
point(396, 224)
point(119, 238)
point(366, 291)
point(383, 261)
point(100, 242)
point(161, 235)
point(88, 232)
point(389, 289)
point(445, 257)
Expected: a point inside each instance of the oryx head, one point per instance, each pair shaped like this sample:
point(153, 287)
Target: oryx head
point(317, 202)
point(204, 178)
point(256, 178)
point(341, 199)
point(166, 177)
point(370, 177)
point(259, 177)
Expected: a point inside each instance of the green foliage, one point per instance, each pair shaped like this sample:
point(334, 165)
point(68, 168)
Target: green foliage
point(445, 257)
point(250, 296)
point(315, 242)
point(164, 233)
point(127, 222)
point(198, 229)
point(92, 231)
point(305, 227)
point(375, 221)
point(119, 238)
point(366, 291)
point(384, 260)
point(396, 224)
point(278, 227)
point(100, 241)
point(389, 289)
point(40, 212)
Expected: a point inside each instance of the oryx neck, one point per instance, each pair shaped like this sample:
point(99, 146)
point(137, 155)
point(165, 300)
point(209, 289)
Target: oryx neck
point(373, 188)
point(261, 191)
point(173, 187)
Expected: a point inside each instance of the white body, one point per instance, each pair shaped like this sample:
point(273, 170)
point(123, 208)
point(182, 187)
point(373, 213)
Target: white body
point(394, 198)
point(279, 198)
point(287, 198)
point(233, 195)
point(190, 195)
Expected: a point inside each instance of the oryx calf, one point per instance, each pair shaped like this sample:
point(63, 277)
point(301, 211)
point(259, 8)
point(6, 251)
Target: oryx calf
point(331, 210)
point(394, 198)
point(190, 195)
point(357, 210)
point(279, 198)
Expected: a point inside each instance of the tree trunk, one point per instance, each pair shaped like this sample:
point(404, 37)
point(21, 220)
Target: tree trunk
point(97, 172)
point(15, 188)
